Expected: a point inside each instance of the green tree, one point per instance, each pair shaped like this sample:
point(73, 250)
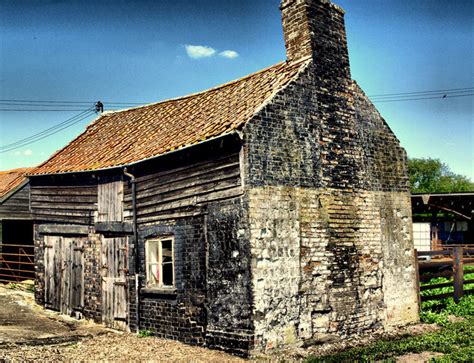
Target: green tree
point(433, 176)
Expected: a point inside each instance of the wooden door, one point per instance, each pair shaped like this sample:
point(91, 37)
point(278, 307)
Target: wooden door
point(114, 282)
point(64, 274)
point(72, 276)
point(52, 272)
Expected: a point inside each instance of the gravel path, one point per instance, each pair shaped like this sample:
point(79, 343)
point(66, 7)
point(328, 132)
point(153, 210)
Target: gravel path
point(118, 348)
point(29, 333)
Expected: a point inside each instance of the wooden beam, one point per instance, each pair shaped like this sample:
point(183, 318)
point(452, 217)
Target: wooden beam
point(63, 229)
point(114, 227)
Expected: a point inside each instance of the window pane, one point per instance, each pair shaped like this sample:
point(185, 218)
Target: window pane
point(153, 274)
point(152, 252)
point(168, 274)
point(166, 250)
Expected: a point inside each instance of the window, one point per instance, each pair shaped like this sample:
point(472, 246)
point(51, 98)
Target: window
point(160, 262)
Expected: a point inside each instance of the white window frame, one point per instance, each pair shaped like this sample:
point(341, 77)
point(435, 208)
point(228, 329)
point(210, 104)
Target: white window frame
point(159, 262)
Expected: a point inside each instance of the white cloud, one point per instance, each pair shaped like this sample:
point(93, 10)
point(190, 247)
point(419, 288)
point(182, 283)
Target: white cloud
point(199, 51)
point(17, 153)
point(27, 152)
point(231, 54)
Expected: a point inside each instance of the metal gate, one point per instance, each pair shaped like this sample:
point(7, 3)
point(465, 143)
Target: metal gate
point(114, 253)
point(64, 274)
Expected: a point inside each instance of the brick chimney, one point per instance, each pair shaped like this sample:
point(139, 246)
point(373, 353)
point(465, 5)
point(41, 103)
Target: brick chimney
point(316, 28)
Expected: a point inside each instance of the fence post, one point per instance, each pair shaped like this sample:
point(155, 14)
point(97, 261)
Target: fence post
point(458, 274)
point(417, 279)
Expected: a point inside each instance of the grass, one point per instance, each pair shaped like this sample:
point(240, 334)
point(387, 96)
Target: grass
point(455, 339)
point(145, 333)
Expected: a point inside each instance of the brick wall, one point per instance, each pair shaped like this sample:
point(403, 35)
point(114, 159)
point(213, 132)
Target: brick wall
point(329, 212)
point(211, 304)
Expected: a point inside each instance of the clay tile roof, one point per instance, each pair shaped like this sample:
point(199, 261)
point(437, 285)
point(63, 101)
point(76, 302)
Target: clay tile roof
point(10, 179)
point(127, 136)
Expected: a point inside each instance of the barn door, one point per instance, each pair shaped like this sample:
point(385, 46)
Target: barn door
point(52, 272)
point(114, 282)
point(72, 296)
point(64, 274)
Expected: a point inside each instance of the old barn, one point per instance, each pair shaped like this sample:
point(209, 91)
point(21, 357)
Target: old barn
point(270, 210)
point(16, 227)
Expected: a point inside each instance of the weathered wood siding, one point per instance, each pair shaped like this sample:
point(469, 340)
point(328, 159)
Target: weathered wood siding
point(175, 193)
point(60, 203)
point(17, 206)
point(110, 202)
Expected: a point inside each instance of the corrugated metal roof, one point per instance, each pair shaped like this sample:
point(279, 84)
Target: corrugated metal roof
point(127, 136)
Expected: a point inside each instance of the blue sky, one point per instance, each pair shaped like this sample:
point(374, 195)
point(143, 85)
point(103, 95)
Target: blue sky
point(138, 51)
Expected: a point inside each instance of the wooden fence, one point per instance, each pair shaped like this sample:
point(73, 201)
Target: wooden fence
point(448, 263)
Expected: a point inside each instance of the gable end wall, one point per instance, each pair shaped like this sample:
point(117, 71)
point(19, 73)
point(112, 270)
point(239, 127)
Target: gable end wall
point(329, 213)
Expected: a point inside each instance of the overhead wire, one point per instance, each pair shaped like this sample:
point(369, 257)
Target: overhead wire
point(48, 132)
point(422, 98)
point(419, 92)
point(423, 95)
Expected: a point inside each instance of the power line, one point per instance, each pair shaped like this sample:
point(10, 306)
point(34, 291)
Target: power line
point(422, 98)
point(419, 92)
point(37, 110)
point(69, 102)
point(48, 132)
point(43, 137)
point(52, 128)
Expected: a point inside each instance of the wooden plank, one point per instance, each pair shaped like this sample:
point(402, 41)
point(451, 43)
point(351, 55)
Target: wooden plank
point(114, 227)
point(67, 206)
point(435, 264)
point(57, 199)
point(63, 229)
point(186, 179)
point(176, 187)
point(427, 277)
point(436, 286)
point(110, 202)
point(433, 253)
point(200, 189)
point(193, 169)
point(417, 279)
point(458, 274)
point(60, 188)
point(436, 297)
point(62, 213)
point(191, 201)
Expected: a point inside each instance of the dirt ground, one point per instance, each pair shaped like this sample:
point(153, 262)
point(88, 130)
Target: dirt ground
point(29, 333)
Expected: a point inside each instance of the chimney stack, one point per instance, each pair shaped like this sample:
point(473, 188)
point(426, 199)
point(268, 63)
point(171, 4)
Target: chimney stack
point(315, 28)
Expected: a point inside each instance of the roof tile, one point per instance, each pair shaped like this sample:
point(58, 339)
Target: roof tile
point(10, 179)
point(127, 136)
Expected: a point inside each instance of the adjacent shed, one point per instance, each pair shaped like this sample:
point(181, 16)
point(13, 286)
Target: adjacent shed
point(16, 227)
point(443, 219)
point(270, 210)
